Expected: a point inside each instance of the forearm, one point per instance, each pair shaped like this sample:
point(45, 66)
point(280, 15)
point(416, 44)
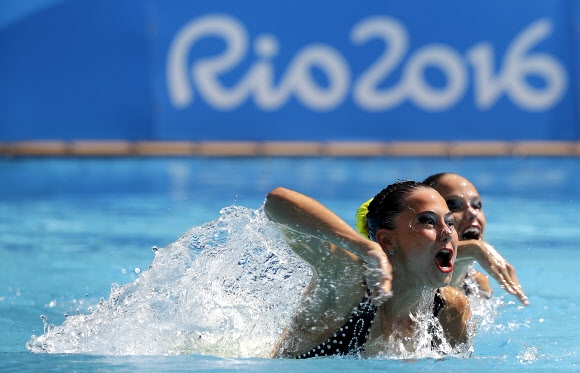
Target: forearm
point(460, 272)
point(307, 216)
point(495, 265)
point(466, 256)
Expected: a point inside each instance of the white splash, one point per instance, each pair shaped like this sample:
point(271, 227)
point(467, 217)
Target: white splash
point(225, 288)
point(428, 339)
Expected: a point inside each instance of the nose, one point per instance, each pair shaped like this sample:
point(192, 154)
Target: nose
point(446, 233)
point(472, 212)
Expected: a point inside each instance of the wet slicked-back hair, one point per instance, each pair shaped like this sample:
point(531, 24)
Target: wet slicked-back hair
point(388, 204)
point(433, 180)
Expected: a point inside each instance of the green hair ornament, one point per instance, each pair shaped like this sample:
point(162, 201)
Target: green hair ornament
point(360, 219)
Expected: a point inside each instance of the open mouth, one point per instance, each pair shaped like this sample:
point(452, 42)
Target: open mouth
point(471, 233)
point(444, 260)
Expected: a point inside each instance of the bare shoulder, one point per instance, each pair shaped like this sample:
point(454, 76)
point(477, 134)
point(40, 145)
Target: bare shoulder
point(454, 299)
point(482, 281)
point(455, 315)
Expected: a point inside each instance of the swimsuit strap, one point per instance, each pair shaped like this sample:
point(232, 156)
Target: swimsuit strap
point(349, 339)
point(438, 304)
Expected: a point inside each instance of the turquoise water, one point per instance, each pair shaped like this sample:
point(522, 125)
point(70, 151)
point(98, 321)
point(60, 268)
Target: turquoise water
point(73, 231)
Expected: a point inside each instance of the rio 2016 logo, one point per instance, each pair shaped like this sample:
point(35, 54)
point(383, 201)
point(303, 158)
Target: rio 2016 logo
point(511, 79)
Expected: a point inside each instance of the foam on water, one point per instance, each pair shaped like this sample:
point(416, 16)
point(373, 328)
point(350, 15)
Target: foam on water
point(226, 288)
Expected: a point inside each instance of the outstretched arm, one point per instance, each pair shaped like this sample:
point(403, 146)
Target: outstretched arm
point(302, 214)
point(492, 262)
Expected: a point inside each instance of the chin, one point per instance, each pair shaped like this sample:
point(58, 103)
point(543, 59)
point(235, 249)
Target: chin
point(443, 279)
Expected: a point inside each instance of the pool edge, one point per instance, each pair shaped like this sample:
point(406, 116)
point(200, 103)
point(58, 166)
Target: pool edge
point(290, 148)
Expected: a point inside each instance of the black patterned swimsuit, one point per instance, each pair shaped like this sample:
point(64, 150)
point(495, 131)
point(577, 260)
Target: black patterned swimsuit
point(352, 336)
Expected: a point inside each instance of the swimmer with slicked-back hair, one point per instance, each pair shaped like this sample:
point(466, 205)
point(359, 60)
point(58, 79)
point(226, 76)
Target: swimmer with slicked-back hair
point(465, 203)
point(365, 293)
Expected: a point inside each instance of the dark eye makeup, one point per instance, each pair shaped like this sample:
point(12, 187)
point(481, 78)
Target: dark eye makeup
point(454, 204)
point(431, 218)
point(427, 218)
point(476, 204)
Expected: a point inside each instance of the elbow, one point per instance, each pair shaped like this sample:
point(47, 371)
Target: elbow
point(274, 201)
point(277, 193)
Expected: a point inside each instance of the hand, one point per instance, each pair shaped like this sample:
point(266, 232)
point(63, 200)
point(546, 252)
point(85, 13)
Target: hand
point(501, 270)
point(378, 275)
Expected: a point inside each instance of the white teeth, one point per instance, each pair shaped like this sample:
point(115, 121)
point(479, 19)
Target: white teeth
point(471, 232)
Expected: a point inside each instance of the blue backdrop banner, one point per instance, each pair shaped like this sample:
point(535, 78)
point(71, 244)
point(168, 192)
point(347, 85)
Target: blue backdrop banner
point(262, 70)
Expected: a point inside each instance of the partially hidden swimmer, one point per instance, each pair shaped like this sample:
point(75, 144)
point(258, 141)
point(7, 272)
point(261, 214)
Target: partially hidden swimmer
point(465, 203)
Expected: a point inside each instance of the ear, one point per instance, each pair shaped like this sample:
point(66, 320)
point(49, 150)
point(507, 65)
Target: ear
point(385, 237)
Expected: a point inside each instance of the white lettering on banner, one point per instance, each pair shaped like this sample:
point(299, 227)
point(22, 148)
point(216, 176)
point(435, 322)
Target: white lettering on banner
point(413, 84)
point(518, 64)
point(259, 78)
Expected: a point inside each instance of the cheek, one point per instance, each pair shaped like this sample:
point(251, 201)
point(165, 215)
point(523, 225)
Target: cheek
point(482, 219)
point(422, 238)
point(421, 245)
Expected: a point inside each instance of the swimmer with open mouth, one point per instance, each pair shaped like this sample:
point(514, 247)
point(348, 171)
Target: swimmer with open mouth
point(465, 203)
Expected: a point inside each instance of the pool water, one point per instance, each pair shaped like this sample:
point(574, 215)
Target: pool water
point(74, 231)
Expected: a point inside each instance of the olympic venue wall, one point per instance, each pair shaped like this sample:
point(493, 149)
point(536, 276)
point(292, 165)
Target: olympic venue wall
point(414, 70)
